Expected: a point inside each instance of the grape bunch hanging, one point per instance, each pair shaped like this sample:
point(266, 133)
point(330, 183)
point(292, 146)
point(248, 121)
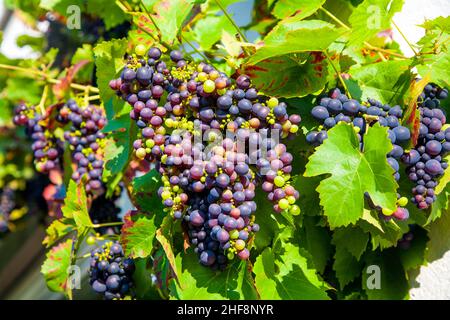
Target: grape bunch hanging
point(337, 107)
point(426, 161)
point(183, 110)
point(111, 274)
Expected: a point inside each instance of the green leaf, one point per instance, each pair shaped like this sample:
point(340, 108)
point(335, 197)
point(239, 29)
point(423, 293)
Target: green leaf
point(438, 67)
point(197, 282)
point(293, 36)
point(384, 234)
point(18, 89)
point(370, 17)
point(143, 285)
point(286, 60)
point(112, 16)
point(164, 236)
point(316, 240)
point(440, 23)
point(57, 230)
point(346, 266)
point(170, 15)
point(144, 192)
point(414, 256)
point(352, 239)
point(137, 235)
point(118, 149)
point(384, 81)
point(439, 234)
point(290, 75)
point(109, 62)
point(441, 205)
point(75, 206)
point(434, 60)
point(210, 6)
point(55, 266)
point(353, 173)
point(393, 284)
point(288, 277)
point(84, 53)
point(162, 271)
point(209, 30)
point(301, 8)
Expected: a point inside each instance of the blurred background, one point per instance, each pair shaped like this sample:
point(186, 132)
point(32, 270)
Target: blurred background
point(22, 252)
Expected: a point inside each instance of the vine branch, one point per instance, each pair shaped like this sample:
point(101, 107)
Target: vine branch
point(48, 78)
point(341, 80)
point(367, 44)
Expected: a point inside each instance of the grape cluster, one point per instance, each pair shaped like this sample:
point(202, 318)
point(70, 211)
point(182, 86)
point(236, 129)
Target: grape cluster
point(337, 107)
point(426, 161)
point(183, 111)
point(110, 272)
point(46, 147)
point(7, 205)
point(86, 142)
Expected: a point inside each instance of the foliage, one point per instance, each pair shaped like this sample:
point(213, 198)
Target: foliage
point(301, 50)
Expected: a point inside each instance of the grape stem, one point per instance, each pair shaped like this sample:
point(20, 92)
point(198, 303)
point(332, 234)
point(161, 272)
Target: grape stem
point(404, 37)
point(338, 74)
point(165, 44)
point(367, 44)
point(43, 99)
point(107, 224)
point(193, 47)
point(234, 24)
point(48, 78)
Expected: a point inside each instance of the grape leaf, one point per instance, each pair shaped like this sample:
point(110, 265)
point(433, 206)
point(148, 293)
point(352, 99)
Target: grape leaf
point(170, 15)
point(288, 277)
point(384, 81)
point(137, 234)
point(197, 282)
point(118, 149)
point(112, 17)
point(439, 234)
point(294, 36)
point(346, 266)
point(411, 117)
point(393, 283)
point(57, 230)
point(209, 30)
point(370, 17)
point(437, 66)
point(162, 270)
point(434, 60)
point(301, 8)
point(445, 179)
point(17, 88)
point(352, 239)
point(55, 266)
point(290, 75)
point(316, 240)
point(144, 192)
point(353, 173)
point(109, 62)
point(82, 54)
point(143, 285)
point(441, 205)
point(164, 236)
point(75, 206)
point(385, 234)
point(440, 23)
point(210, 6)
point(414, 256)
